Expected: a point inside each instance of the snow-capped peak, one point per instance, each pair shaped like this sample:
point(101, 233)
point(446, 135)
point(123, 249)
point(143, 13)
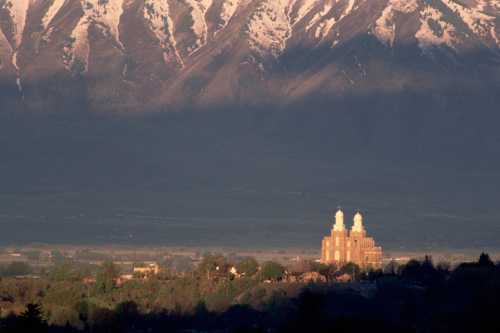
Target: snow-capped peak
point(54, 8)
point(199, 9)
point(157, 14)
point(303, 7)
point(325, 20)
point(434, 30)
point(18, 11)
point(477, 21)
point(106, 16)
point(229, 8)
point(269, 27)
point(385, 28)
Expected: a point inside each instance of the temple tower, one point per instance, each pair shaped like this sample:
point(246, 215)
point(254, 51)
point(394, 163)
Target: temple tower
point(339, 237)
point(343, 246)
point(356, 239)
point(357, 226)
point(334, 247)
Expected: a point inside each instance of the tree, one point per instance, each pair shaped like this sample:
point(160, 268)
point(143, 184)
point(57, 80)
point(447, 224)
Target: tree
point(444, 267)
point(83, 309)
point(423, 272)
point(302, 266)
point(63, 293)
point(272, 271)
point(31, 319)
point(103, 320)
point(391, 268)
point(57, 256)
point(106, 277)
point(65, 272)
point(213, 265)
point(127, 313)
point(32, 255)
point(16, 268)
point(485, 260)
point(350, 269)
point(179, 264)
point(248, 266)
point(411, 271)
point(328, 271)
point(64, 316)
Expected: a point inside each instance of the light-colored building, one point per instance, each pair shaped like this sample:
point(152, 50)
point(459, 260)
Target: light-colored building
point(148, 270)
point(343, 246)
point(122, 279)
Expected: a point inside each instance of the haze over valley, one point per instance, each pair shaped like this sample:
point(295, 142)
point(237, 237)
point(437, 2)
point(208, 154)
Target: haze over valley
point(246, 123)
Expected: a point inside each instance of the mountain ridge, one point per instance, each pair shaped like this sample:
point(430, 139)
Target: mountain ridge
point(140, 55)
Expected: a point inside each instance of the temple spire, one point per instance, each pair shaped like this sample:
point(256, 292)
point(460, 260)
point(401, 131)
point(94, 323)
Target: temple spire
point(339, 221)
point(358, 223)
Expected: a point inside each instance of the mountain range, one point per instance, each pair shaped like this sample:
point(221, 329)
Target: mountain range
point(167, 55)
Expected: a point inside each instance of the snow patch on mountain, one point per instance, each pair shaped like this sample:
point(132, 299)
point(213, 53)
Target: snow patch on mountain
point(157, 14)
point(229, 8)
point(327, 7)
point(305, 7)
point(5, 50)
point(269, 27)
point(18, 72)
point(478, 22)
point(198, 10)
point(488, 7)
point(54, 8)
point(385, 27)
point(18, 10)
point(76, 51)
point(434, 31)
point(325, 26)
point(348, 9)
point(495, 35)
point(104, 15)
point(8, 54)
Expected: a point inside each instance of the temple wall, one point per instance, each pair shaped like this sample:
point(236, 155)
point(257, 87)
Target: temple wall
point(341, 247)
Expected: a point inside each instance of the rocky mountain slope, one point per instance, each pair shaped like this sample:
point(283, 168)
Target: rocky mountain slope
point(139, 55)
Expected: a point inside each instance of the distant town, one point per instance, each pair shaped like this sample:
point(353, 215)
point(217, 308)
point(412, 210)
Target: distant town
point(119, 288)
point(340, 247)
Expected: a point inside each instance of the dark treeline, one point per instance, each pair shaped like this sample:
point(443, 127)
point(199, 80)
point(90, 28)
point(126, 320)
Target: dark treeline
point(417, 297)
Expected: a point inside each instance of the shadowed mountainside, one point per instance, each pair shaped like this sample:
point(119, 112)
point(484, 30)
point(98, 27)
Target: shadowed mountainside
point(285, 109)
point(253, 178)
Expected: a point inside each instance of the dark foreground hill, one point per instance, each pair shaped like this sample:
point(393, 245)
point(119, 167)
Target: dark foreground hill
point(417, 297)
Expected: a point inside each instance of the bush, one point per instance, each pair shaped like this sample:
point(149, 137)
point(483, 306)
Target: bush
point(106, 278)
point(350, 269)
point(65, 272)
point(62, 316)
point(272, 271)
point(248, 266)
point(16, 269)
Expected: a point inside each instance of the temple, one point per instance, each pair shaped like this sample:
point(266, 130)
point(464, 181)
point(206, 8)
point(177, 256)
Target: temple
point(343, 246)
